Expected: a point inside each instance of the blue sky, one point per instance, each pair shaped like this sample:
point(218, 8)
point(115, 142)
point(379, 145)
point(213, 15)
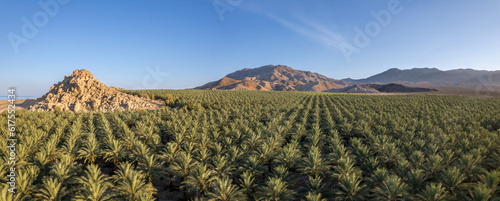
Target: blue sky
point(179, 44)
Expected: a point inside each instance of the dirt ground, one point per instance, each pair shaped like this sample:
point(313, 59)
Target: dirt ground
point(4, 104)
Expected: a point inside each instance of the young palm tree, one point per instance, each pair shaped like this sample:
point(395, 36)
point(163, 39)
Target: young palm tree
point(150, 166)
point(390, 155)
point(433, 192)
point(52, 190)
point(452, 180)
point(170, 152)
point(391, 189)
point(96, 186)
point(6, 195)
point(25, 179)
point(290, 156)
point(199, 179)
point(203, 154)
point(131, 184)
point(314, 164)
point(221, 166)
point(275, 189)
point(351, 188)
point(481, 193)
point(182, 167)
point(266, 155)
point(492, 180)
point(347, 131)
point(90, 150)
point(254, 165)
point(113, 151)
point(224, 190)
point(247, 183)
point(64, 170)
point(470, 165)
point(140, 151)
point(41, 159)
point(314, 185)
point(344, 167)
point(433, 165)
point(417, 158)
point(71, 144)
point(314, 197)
point(415, 180)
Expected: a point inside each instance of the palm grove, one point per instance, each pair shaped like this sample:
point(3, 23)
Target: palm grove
point(250, 145)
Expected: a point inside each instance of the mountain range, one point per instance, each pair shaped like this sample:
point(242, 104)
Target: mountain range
point(467, 77)
point(284, 78)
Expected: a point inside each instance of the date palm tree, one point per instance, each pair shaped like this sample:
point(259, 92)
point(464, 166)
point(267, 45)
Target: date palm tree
point(182, 167)
point(131, 184)
point(391, 189)
point(314, 164)
point(113, 151)
point(200, 179)
point(221, 165)
point(344, 167)
point(314, 197)
point(290, 155)
point(150, 166)
point(433, 165)
point(492, 180)
point(275, 189)
point(351, 188)
point(51, 190)
point(96, 186)
point(433, 192)
point(25, 181)
point(470, 165)
point(247, 183)
point(452, 180)
point(65, 169)
point(481, 193)
point(6, 195)
point(90, 150)
point(224, 190)
point(415, 180)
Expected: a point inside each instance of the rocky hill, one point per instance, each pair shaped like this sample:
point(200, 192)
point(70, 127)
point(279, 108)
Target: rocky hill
point(275, 78)
point(82, 92)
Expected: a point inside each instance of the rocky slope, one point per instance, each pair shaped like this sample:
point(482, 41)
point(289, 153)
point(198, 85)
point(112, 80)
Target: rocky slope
point(82, 92)
point(275, 78)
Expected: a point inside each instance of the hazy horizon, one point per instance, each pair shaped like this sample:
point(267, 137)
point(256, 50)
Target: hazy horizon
point(184, 44)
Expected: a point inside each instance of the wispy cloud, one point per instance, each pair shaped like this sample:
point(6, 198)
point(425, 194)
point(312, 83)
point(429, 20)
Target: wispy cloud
point(312, 30)
point(302, 24)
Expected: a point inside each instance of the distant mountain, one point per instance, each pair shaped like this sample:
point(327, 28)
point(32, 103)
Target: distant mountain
point(431, 75)
point(275, 78)
point(377, 88)
point(284, 78)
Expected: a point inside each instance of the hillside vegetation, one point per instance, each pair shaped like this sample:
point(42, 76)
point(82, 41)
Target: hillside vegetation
point(258, 145)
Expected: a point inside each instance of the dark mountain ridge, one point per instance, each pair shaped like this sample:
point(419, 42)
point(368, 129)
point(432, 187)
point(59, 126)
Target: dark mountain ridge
point(430, 75)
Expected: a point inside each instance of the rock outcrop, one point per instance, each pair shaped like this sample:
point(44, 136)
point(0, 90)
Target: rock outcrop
point(81, 92)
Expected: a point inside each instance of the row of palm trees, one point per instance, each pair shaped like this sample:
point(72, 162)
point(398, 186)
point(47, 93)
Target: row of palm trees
point(264, 146)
